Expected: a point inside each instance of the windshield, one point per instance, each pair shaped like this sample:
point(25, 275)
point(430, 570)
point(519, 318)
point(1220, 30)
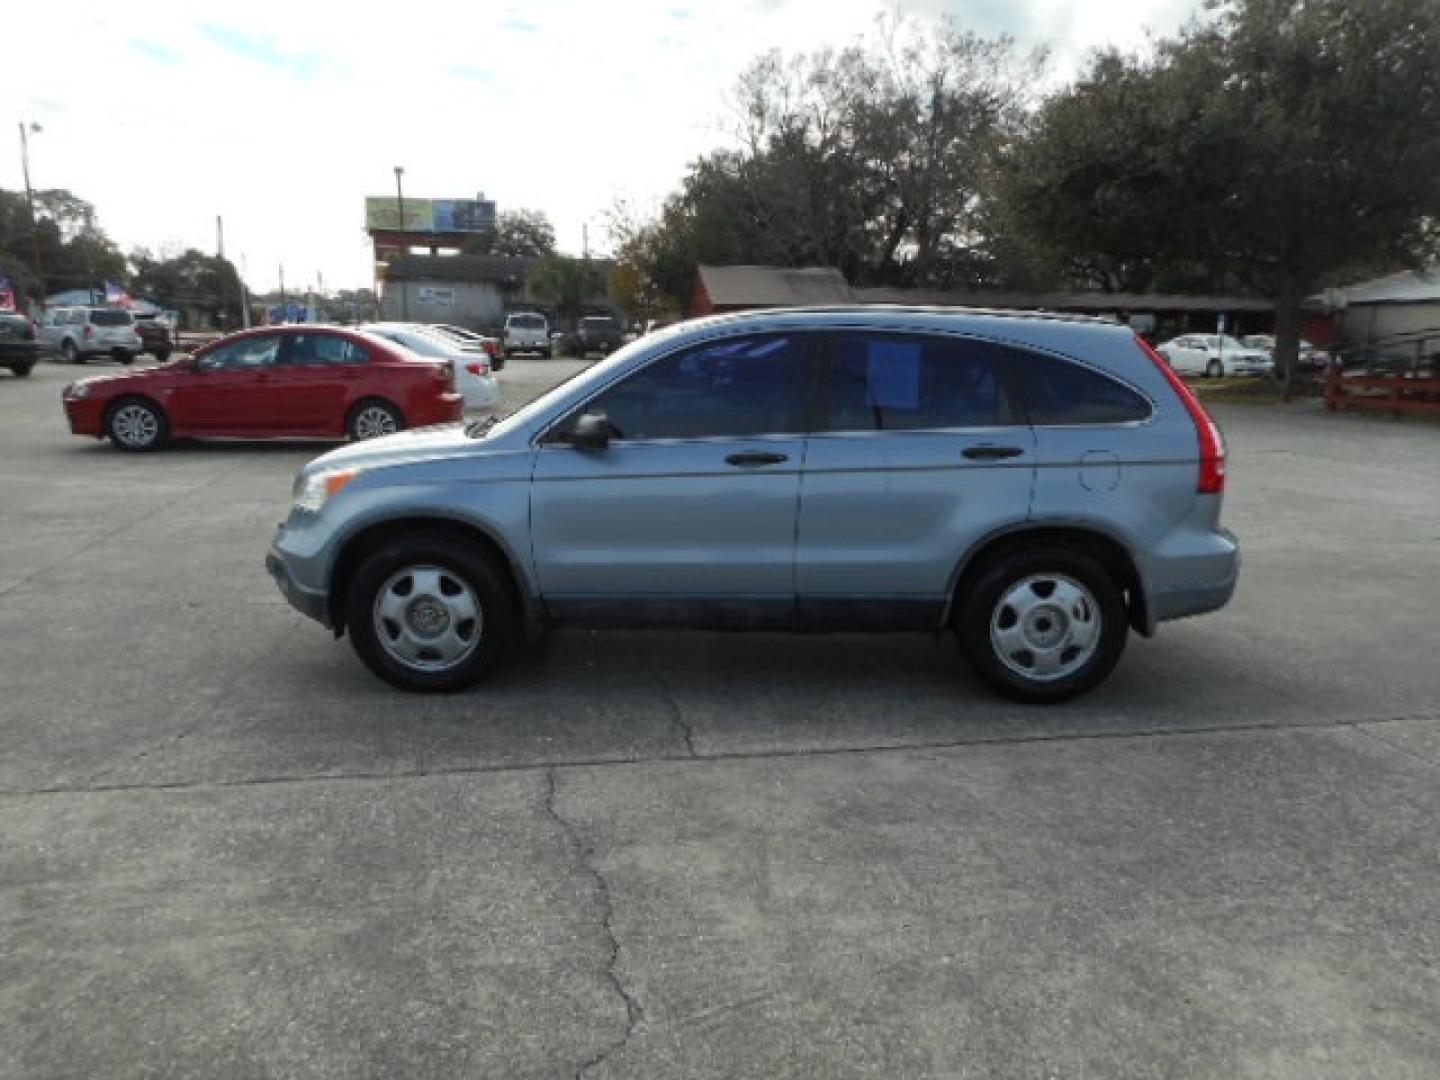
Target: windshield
point(111, 318)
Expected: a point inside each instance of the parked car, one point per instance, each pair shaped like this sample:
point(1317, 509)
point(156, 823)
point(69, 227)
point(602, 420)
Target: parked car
point(473, 375)
point(1039, 484)
point(1214, 355)
point(19, 347)
point(597, 333)
point(526, 331)
point(471, 340)
point(1309, 359)
point(274, 382)
point(154, 331)
point(80, 333)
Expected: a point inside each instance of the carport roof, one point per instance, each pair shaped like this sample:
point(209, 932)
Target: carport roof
point(499, 269)
point(1409, 287)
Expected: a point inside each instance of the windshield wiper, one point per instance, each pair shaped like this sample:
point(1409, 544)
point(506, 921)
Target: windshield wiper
point(478, 428)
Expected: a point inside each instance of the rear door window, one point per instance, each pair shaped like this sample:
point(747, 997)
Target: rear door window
point(1057, 391)
point(111, 318)
point(912, 382)
point(310, 349)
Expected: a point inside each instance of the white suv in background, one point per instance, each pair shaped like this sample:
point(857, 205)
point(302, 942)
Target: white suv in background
point(78, 333)
point(526, 331)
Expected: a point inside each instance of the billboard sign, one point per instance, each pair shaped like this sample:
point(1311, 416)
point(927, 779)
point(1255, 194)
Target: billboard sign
point(382, 213)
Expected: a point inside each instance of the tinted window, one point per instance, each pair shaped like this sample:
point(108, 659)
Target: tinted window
point(1059, 392)
point(527, 322)
point(306, 349)
point(250, 353)
point(887, 382)
point(741, 386)
point(111, 318)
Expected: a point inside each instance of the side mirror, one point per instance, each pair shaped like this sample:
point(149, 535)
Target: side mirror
point(592, 431)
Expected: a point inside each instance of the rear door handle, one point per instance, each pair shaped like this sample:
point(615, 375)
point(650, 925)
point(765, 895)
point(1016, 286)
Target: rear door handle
point(991, 453)
point(756, 457)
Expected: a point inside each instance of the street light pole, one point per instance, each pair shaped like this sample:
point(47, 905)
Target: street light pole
point(400, 200)
point(30, 200)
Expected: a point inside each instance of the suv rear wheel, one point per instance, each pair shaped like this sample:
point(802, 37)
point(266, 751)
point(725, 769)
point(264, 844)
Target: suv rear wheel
point(429, 613)
point(1043, 624)
point(70, 352)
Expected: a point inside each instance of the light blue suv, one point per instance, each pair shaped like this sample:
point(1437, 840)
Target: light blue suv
point(1039, 484)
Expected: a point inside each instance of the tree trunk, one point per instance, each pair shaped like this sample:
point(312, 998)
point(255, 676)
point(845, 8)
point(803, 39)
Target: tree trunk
point(1287, 332)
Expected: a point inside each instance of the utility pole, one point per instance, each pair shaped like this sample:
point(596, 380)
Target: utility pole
point(30, 200)
point(219, 236)
point(400, 201)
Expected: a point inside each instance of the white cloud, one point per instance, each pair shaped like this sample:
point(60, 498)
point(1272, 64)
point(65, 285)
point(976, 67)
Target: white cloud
point(282, 116)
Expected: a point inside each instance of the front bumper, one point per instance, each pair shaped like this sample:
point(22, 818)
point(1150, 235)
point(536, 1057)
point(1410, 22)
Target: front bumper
point(308, 602)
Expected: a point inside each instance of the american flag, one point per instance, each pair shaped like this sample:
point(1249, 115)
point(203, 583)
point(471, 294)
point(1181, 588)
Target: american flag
point(8, 293)
point(116, 294)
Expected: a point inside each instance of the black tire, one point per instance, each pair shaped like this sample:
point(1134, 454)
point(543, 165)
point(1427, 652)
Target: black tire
point(71, 353)
point(996, 581)
point(363, 418)
point(1214, 370)
point(22, 369)
point(124, 423)
point(546, 354)
point(461, 565)
point(123, 357)
point(162, 355)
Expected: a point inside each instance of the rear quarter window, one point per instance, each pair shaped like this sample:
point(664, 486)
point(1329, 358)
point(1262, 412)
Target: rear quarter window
point(1055, 391)
point(111, 318)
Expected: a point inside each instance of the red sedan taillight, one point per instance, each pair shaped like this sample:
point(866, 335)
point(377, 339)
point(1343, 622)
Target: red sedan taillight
point(478, 369)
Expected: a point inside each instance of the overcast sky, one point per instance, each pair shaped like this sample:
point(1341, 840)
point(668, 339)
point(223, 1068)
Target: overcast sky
point(282, 116)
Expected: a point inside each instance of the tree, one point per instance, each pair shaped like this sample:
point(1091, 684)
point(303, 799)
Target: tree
point(566, 283)
point(192, 280)
point(1278, 146)
point(878, 159)
point(74, 251)
point(517, 233)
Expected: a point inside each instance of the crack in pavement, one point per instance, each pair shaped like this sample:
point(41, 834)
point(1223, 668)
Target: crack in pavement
point(634, 1014)
point(677, 715)
point(1020, 739)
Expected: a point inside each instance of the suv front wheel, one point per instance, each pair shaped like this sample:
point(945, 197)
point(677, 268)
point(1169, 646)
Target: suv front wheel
point(1043, 624)
point(428, 613)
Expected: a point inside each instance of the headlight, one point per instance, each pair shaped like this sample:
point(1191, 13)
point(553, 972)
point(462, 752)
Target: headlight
point(314, 491)
point(76, 391)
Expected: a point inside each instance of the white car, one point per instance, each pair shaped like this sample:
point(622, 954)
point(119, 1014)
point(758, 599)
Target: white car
point(1214, 355)
point(1311, 357)
point(473, 377)
point(526, 331)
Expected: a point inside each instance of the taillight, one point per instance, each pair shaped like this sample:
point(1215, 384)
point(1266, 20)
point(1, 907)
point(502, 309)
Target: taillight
point(1212, 443)
point(492, 347)
point(89, 330)
point(478, 369)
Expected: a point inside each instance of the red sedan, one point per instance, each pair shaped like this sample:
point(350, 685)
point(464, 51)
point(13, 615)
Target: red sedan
point(275, 382)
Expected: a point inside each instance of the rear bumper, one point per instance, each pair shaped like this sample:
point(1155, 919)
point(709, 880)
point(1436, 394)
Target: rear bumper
point(18, 352)
point(444, 409)
point(1198, 579)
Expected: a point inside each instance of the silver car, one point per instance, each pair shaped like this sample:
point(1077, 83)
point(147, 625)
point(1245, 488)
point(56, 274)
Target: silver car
point(79, 333)
point(1041, 485)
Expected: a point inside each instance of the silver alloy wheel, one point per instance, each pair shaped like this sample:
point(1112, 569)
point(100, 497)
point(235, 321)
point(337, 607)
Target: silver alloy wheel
point(373, 421)
point(1045, 627)
point(135, 426)
point(427, 618)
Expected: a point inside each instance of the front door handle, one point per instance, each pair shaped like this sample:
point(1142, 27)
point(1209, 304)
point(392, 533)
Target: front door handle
point(992, 453)
point(756, 457)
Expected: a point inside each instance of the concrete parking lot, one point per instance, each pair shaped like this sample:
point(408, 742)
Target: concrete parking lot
point(227, 851)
